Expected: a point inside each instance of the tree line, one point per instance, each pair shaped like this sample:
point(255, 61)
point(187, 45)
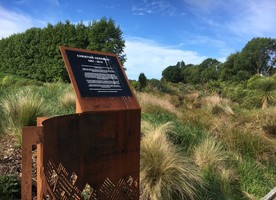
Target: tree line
point(257, 57)
point(35, 54)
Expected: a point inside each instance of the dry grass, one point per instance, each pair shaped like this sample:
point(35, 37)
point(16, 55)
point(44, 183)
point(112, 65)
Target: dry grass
point(21, 109)
point(210, 155)
point(68, 100)
point(164, 173)
point(154, 104)
point(192, 100)
point(218, 105)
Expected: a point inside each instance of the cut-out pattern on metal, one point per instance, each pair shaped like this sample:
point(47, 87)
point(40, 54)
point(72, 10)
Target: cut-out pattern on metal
point(62, 186)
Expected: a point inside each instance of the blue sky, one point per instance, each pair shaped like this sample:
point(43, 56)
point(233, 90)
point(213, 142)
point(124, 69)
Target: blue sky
point(158, 33)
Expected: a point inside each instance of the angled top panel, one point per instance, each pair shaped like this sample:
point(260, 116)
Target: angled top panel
point(99, 80)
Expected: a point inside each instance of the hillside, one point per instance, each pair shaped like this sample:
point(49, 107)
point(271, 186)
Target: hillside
point(215, 141)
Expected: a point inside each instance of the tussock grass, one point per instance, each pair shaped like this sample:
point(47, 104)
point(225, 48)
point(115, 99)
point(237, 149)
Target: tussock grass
point(217, 165)
point(218, 105)
point(164, 173)
point(253, 144)
point(21, 109)
point(192, 100)
point(210, 154)
point(154, 104)
point(68, 100)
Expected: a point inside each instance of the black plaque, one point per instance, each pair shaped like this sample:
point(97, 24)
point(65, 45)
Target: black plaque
point(98, 75)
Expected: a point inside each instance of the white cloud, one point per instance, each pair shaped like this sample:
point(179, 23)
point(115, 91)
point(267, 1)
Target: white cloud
point(258, 18)
point(13, 22)
point(153, 6)
point(146, 56)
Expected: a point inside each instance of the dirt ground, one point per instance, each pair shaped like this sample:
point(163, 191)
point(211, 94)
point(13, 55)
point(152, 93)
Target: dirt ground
point(10, 156)
point(10, 161)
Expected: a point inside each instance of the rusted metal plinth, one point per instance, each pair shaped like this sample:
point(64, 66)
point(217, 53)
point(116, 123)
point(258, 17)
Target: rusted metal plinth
point(93, 154)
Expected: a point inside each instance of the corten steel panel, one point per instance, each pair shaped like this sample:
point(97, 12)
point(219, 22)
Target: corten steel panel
point(30, 136)
point(101, 149)
point(98, 103)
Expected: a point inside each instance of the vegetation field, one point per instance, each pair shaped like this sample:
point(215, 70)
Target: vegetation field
point(196, 143)
point(208, 130)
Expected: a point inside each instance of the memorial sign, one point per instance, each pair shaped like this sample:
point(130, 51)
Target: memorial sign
point(99, 80)
point(94, 154)
point(97, 75)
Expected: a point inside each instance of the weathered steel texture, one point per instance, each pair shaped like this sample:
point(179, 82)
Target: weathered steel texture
point(30, 136)
point(96, 149)
point(95, 153)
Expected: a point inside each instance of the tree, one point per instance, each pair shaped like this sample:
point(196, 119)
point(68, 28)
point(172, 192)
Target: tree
point(105, 36)
point(228, 71)
point(35, 53)
point(257, 57)
point(191, 74)
point(172, 74)
point(208, 70)
point(142, 81)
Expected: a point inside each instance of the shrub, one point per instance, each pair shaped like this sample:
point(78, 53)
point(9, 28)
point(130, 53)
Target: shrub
point(266, 88)
point(164, 173)
point(252, 100)
point(157, 86)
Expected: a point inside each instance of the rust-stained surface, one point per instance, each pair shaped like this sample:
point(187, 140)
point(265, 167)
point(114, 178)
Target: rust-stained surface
point(30, 136)
point(96, 149)
point(93, 154)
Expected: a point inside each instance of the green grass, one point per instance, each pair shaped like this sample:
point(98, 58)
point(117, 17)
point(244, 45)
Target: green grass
point(236, 151)
point(256, 180)
point(184, 135)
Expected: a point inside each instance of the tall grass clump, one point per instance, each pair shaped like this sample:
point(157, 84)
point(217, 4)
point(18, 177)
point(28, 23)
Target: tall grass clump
point(250, 143)
point(21, 109)
point(210, 155)
point(218, 105)
point(218, 167)
point(269, 119)
point(156, 104)
point(164, 173)
point(68, 101)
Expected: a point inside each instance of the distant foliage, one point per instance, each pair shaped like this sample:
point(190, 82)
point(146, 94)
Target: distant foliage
point(257, 57)
point(142, 81)
point(35, 54)
point(196, 74)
